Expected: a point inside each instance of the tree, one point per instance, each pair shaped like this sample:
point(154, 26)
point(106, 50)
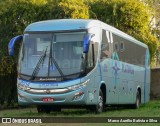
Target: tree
point(15, 16)
point(75, 9)
point(132, 17)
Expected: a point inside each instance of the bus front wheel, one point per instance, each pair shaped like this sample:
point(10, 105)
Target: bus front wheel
point(100, 106)
point(42, 109)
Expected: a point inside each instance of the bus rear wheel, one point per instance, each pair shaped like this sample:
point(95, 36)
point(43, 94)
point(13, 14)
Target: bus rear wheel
point(138, 100)
point(100, 106)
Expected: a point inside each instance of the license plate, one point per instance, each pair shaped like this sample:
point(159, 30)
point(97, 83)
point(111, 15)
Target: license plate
point(48, 99)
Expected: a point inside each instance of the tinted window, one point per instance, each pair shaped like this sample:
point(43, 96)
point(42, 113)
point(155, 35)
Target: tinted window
point(128, 51)
point(106, 45)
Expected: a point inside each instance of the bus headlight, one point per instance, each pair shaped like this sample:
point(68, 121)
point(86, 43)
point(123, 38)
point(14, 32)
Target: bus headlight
point(75, 87)
point(22, 87)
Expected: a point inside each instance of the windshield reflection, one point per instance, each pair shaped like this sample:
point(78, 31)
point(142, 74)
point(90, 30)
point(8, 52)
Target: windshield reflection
point(63, 56)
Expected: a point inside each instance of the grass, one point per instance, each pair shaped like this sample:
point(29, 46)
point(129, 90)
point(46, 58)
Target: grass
point(151, 109)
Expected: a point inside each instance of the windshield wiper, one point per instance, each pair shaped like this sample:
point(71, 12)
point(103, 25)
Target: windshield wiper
point(41, 61)
point(58, 68)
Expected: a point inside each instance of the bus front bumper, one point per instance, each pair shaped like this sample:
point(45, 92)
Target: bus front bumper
point(75, 97)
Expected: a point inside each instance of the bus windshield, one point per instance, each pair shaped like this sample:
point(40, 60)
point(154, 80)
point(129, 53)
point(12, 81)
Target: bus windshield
point(52, 55)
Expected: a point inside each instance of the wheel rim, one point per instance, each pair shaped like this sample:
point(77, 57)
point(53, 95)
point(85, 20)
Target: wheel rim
point(138, 101)
point(100, 104)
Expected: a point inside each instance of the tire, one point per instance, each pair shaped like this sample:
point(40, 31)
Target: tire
point(56, 109)
point(138, 101)
point(99, 108)
point(40, 109)
point(47, 110)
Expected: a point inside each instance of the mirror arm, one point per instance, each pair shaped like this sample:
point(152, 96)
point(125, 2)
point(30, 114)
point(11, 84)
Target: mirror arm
point(87, 40)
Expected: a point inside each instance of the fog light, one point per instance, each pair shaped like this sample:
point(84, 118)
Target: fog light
point(21, 97)
point(78, 95)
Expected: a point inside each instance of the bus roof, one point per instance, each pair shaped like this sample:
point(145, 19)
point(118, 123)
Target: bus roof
point(62, 24)
point(75, 24)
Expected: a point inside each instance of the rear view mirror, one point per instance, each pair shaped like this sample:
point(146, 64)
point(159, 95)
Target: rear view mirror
point(86, 43)
point(12, 43)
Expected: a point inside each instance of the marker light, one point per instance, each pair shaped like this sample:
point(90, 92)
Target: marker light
point(78, 95)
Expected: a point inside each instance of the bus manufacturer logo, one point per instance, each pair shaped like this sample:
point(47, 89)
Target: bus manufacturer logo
point(48, 91)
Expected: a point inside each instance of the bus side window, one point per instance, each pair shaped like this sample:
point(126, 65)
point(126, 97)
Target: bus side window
point(90, 62)
point(105, 50)
point(116, 47)
point(122, 46)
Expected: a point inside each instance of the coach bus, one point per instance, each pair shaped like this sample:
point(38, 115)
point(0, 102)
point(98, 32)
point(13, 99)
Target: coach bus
point(80, 62)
